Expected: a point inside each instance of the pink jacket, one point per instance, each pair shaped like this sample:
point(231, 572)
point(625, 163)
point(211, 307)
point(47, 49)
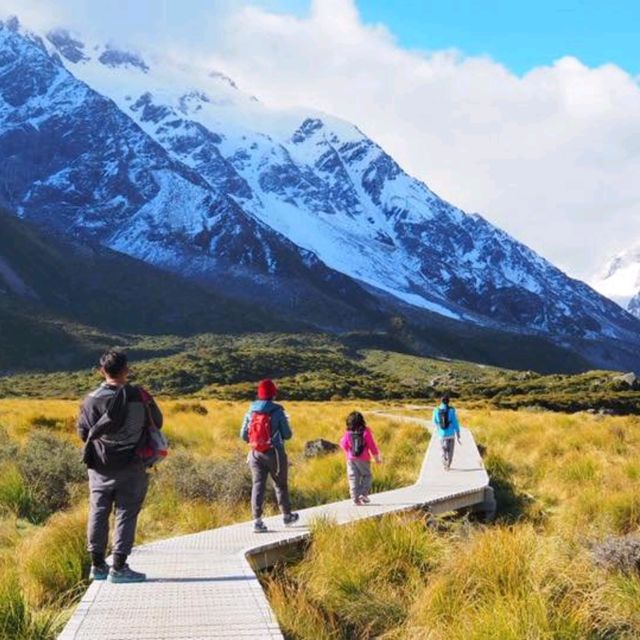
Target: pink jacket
point(370, 446)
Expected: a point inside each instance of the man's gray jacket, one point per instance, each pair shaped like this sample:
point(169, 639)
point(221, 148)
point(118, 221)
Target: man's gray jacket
point(111, 422)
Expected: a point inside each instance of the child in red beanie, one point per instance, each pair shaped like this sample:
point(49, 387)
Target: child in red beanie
point(265, 427)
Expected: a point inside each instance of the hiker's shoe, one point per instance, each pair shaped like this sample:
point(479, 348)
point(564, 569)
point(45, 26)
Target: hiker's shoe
point(259, 527)
point(365, 499)
point(358, 501)
point(99, 572)
point(124, 575)
point(290, 518)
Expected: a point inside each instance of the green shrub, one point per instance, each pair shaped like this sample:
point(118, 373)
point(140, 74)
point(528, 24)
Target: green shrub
point(190, 407)
point(624, 511)
point(224, 480)
point(13, 608)
point(619, 552)
point(57, 424)
point(50, 467)
point(17, 620)
point(15, 496)
point(8, 448)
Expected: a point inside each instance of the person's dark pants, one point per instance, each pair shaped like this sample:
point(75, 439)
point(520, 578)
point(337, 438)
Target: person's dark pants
point(122, 491)
point(272, 463)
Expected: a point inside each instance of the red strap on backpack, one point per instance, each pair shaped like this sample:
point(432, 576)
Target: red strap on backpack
point(260, 431)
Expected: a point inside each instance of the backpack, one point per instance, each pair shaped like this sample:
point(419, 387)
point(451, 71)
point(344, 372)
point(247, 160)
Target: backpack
point(443, 418)
point(356, 438)
point(153, 446)
point(260, 431)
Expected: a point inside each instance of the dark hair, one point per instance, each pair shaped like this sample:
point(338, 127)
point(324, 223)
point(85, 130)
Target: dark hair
point(113, 363)
point(445, 398)
point(355, 420)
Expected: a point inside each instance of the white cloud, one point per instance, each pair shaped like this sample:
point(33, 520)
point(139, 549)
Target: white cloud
point(552, 157)
point(38, 14)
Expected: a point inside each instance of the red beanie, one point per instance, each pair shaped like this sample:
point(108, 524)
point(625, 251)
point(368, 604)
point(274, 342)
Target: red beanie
point(267, 390)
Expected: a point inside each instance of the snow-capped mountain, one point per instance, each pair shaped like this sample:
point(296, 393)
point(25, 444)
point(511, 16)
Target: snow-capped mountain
point(74, 163)
point(175, 165)
point(620, 279)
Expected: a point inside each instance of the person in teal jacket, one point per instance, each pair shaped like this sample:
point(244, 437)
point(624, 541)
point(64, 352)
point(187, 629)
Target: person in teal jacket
point(447, 426)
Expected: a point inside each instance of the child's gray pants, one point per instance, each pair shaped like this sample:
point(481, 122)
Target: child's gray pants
point(359, 475)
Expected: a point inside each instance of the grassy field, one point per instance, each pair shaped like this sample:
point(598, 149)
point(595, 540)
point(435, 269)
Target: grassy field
point(561, 562)
point(204, 484)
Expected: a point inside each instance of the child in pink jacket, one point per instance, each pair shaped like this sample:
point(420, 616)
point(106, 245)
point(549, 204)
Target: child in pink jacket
point(359, 445)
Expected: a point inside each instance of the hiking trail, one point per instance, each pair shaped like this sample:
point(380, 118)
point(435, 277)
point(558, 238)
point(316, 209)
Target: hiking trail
point(203, 585)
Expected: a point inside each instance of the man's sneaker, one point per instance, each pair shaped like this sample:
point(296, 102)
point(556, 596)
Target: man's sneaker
point(358, 501)
point(365, 499)
point(100, 572)
point(126, 574)
point(290, 518)
point(259, 526)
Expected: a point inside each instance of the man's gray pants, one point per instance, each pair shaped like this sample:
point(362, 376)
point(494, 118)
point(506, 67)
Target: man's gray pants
point(272, 463)
point(122, 491)
point(448, 445)
point(359, 475)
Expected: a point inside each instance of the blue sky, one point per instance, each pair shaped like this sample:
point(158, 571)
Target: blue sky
point(520, 35)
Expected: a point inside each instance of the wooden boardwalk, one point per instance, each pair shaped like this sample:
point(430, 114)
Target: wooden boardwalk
point(203, 585)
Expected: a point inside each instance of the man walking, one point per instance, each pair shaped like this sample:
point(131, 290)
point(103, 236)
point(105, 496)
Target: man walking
point(265, 427)
point(445, 420)
point(111, 422)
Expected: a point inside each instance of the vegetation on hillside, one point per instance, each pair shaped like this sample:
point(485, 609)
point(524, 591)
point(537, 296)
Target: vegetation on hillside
point(318, 367)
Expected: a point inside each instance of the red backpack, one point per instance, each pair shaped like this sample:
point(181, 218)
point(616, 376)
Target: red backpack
point(260, 431)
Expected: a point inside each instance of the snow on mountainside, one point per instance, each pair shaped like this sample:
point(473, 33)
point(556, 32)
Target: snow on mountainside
point(76, 164)
point(327, 187)
point(620, 280)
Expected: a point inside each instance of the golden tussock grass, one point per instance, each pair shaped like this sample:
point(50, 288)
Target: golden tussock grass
point(564, 482)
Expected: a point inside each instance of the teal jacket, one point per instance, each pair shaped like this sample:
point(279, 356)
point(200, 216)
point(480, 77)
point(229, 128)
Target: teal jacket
point(280, 429)
point(454, 425)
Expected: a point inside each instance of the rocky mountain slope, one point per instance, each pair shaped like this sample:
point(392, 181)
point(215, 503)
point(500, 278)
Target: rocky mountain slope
point(296, 209)
point(76, 165)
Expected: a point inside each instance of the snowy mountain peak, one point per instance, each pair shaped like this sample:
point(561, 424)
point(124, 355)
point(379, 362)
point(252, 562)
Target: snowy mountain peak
point(620, 279)
point(306, 130)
